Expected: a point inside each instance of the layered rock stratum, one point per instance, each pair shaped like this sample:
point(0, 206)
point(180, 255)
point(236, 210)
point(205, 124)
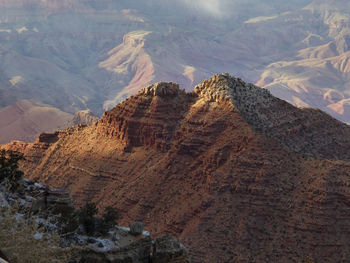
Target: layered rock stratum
point(236, 173)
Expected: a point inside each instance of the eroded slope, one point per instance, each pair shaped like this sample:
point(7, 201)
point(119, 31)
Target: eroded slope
point(227, 168)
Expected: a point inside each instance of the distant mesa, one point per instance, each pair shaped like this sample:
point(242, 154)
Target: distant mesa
point(26, 119)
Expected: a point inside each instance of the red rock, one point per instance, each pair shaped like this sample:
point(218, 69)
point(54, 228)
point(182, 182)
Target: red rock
point(235, 173)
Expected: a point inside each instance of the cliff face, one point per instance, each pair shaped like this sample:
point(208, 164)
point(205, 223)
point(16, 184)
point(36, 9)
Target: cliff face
point(150, 118)
point(236, 173)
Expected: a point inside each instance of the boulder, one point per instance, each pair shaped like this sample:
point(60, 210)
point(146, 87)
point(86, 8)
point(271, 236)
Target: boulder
point(136, 228)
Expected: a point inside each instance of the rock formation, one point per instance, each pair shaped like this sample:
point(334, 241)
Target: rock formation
point(133, 249)
point(83, 117)
point(136, 228)
point(168, 249)
point(235, 173)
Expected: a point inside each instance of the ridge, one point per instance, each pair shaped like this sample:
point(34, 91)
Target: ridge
point(300, 129)
point(154, 116)
point(197, 164)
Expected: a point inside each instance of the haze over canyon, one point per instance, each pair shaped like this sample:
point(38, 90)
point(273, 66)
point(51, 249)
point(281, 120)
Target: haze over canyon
point(61, 57)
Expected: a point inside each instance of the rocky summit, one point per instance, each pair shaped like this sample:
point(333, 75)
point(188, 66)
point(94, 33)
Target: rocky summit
point(235, 173)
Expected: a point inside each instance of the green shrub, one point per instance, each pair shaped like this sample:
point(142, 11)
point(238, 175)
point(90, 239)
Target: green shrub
point(9, 172)
point(69, 221)
point(110, 216)
point(94, 225)
point(108, 220)
point(87, 217)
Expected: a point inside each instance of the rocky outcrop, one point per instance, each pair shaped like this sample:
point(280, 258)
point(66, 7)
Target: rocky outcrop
point(120, 244)
point(133, 250)
point(38, 198)
point(223, 87)
point(57, 201)
point(48, 137)
point(169, 249)
point(140, 121)
point(234, 182)
point(161, 89)
point(83, 117)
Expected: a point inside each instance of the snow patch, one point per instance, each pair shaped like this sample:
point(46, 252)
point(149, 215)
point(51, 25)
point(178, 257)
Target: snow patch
point(27, 180)
point(146, 233)
point(19, 216)
point(3, 202)
point(41, 186)
point(106, 244)
point(22, 202)
point(38, 236)
point(48, 225)
point(127, 229)
point(99, 244)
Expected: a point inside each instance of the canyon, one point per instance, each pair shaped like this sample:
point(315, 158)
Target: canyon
point(77, 55)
